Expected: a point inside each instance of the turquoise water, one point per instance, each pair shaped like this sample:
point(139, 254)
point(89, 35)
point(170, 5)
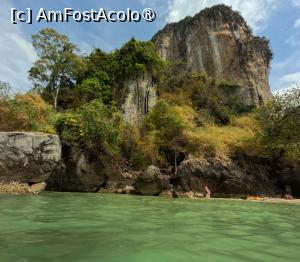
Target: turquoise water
point(92, 227)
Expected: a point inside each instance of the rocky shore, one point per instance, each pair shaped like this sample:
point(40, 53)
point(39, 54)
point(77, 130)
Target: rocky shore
point(29, 161)
point(22, 188)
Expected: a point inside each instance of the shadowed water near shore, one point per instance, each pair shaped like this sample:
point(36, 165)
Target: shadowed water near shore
point(94, 227)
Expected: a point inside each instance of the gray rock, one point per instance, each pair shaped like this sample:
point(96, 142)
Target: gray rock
point(121, 179)
point(80, 172)
point(225, 177)
point(28, 157)
point(289, 176)
point(151, 182)
point(141, 96)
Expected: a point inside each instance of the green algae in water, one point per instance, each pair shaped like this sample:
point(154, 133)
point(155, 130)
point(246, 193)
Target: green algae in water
point(93, 227)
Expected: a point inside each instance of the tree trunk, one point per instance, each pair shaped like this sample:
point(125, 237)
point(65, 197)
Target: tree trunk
point(55, 98)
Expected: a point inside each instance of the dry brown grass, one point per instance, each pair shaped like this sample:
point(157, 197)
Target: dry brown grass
point(221, 140)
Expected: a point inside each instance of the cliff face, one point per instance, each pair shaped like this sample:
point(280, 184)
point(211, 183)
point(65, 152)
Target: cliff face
point(141, 97)
point(218, 41)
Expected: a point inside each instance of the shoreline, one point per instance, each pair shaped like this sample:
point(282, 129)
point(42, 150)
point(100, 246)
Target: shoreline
point(17, 188)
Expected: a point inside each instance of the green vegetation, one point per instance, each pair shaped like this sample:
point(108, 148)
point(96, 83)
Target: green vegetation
point(27, 112)
point(57, 65)
point(93, 126)
point(80, 98)
point(280, 125)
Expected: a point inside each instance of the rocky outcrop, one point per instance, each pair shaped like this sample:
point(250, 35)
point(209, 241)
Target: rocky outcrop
point(289, 177)
point(218, 42)
point(80, 172)
point(141, 97)
point(121, 182)
point(28, 157)
point(226, 177)
point(151, 182)
point(22, 188)
point(27, 160)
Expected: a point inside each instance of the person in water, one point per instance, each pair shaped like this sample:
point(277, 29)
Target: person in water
point(207, 191)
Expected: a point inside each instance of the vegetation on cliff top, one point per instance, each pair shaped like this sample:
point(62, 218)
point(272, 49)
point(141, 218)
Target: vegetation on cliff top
point(80, 98)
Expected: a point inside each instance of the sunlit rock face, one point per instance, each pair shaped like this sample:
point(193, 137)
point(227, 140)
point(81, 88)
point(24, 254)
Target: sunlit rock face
point(218, 42)
point(141, 96)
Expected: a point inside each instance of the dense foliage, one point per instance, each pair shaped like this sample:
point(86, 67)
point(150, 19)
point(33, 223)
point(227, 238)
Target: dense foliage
point(280, 125)
point(94, 126)
point(107, 72)
point(27, 112)
point(57, 65)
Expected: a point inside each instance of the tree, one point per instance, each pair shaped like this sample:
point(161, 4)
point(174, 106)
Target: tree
point(94, 126)
point(280, 125)
point(57, 65)
point(4, 90)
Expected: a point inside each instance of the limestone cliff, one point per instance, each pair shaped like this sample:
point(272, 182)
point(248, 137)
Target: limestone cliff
point(218, 41)
point(141, 97)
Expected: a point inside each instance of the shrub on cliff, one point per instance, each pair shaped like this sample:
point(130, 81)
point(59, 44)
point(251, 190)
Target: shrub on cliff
point(28, 112)
point(218, 99)
point(139, 147)
point(93, 126)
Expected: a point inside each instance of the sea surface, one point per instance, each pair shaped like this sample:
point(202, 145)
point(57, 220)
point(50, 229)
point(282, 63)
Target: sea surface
point(93, 227)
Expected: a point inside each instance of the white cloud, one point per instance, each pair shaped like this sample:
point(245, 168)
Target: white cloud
point(16, 53)
point(297, 23)
point(256, 12)
point(289, 81)
point(294, 40)
point(296, 3)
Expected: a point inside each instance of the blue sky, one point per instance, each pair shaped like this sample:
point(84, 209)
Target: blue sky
point(278, 20)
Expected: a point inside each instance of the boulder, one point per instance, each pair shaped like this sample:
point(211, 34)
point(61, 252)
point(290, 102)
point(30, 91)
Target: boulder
point(151, 182)
point(27, 157)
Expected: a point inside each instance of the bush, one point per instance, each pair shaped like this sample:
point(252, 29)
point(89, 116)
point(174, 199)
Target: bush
point(280, 124)
point(140, 149)
point(222, 140)
point(168, 128)
point(93, 126)
point(94, 88)
point(28, 112)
